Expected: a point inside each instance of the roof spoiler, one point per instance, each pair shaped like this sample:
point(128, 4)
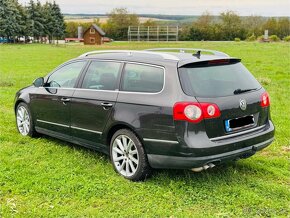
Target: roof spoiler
point(210, 62)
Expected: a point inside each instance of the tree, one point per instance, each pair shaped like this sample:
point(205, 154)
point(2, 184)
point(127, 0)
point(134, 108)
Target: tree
point(231, 26)
point(150, 23)
point(283, 27)
point(118, 23)
point(202, 29)
point(204, 26)
point(36, 20)
point(49, 20)
point(23, 21)
point(254, 25)
point(71, 29)
point(9, 17)
point(271, 25)
point(279, 27)
point(58, 22)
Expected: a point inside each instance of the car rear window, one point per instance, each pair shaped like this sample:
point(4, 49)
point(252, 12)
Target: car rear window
point(206, 80)
point(142, 78)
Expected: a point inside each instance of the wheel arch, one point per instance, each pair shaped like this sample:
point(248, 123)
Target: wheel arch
point(18, 101)
point(114, 128)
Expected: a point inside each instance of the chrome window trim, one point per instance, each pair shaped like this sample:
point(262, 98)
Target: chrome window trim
point(117, 90)
point(52, 123)
point(160, 141)
point(79, 89)
point(86, 130)
point(237, 134)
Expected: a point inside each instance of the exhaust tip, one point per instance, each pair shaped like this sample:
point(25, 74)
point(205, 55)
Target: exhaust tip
point(204, 167)
point(197, 169)
point(211, 165)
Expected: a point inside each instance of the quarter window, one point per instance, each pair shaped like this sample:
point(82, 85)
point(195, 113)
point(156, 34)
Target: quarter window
point(102, 76)
point(66, 76)
point(142, 78)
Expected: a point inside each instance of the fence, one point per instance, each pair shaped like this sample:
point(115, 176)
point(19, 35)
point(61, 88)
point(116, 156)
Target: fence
point(156, 33)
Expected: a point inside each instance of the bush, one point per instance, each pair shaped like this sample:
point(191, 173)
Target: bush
point(274, 38)
point(261, 38)
point(252, 38)
point(286, 38)
point(237, 39)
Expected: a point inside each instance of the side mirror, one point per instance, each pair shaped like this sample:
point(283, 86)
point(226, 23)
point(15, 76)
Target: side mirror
point(38, 82)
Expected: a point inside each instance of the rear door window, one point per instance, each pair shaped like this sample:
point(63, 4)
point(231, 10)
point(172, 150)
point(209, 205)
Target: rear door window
point(142, 78)
point(102, 75)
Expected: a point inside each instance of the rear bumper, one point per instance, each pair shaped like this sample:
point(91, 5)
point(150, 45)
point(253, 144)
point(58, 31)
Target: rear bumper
point(193, 155)
point(173, 162)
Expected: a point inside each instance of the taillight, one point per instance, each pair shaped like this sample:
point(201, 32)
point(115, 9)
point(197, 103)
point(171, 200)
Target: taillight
point(265, 100)
point(194, 111)
point(210, 110)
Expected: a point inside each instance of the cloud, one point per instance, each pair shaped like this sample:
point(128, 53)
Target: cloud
point(184, 7)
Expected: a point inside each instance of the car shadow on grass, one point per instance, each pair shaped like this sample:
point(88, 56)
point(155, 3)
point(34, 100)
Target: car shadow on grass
point(220, 173)
point(76, 147)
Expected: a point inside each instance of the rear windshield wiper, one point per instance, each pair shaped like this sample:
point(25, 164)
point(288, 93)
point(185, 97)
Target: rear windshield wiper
point(239, 91)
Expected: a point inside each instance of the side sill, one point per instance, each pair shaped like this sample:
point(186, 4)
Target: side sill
point(73, 140)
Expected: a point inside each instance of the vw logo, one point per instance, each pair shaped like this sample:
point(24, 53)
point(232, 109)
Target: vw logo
point(243, 104)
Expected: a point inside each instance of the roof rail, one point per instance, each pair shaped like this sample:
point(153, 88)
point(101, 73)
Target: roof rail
point(182, 50)
point(130, 53)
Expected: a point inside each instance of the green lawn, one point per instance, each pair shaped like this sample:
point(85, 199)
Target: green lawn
point(45, 177)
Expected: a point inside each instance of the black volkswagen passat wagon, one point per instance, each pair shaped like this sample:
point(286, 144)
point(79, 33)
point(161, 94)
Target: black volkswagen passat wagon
point(151, 109)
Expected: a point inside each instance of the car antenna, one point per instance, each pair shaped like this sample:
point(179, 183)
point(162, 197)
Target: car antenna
point(197, 54)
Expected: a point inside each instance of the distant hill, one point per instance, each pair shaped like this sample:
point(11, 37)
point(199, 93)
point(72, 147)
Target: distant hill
point(160, 18)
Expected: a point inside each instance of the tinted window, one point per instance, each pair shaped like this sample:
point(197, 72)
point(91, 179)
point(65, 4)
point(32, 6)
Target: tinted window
point(142, 78)
point(66, 76)
point(102, 76)
point(216, 81)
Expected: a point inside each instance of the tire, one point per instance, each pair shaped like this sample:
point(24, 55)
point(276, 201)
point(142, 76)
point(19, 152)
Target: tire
point(24, 120)
point(128, 156)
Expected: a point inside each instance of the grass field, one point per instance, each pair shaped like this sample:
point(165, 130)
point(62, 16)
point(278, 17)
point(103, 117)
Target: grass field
point(45, 177)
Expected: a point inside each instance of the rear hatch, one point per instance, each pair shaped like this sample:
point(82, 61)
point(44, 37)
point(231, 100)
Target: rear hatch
point(229, 85)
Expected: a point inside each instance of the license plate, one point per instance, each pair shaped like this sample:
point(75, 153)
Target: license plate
point(239, 123)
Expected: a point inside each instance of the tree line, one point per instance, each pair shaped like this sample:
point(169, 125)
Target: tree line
point(42, 22)
point(45, 22)
point(231, 26)
point(226, 27)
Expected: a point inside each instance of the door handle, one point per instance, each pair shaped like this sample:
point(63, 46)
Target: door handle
point(65, 99)
point(106, 105)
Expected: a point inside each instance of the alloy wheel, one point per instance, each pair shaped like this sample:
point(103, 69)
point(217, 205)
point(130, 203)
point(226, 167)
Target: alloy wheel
point(23, 120)
point(125, 155)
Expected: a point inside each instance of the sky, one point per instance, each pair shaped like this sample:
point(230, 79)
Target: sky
point(177, 7)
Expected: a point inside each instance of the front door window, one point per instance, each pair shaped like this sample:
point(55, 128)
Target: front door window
point(66, 76)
